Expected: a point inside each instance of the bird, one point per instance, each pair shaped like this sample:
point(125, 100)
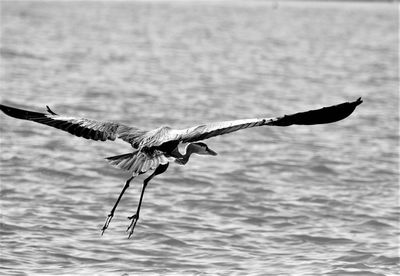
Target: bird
point(153, 150)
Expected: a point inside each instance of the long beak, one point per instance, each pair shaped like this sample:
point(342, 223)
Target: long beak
point(211, 152)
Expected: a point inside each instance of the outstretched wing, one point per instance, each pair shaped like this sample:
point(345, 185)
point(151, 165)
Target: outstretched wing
point(313, 117)
point(80, 127)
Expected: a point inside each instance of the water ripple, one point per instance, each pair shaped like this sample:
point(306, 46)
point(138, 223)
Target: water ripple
point(302, 200)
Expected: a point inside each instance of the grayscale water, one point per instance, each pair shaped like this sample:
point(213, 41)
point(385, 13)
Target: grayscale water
point(301, 200)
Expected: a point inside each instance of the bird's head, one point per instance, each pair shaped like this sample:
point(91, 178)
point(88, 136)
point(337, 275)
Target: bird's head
point(201, 149)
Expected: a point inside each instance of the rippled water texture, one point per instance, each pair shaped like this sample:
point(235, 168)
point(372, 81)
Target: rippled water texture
point(302, 200)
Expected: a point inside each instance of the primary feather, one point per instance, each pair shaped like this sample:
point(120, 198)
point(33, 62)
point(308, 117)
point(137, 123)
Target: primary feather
point(81, 127)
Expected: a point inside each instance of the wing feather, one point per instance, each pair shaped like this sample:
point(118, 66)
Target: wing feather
point(81, 127)
point(95, 130)
point(323, 115)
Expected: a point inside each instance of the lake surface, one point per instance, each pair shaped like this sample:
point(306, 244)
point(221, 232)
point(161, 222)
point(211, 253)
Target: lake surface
point(301, 200)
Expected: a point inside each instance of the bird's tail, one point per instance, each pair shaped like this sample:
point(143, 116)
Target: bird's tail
point(123, 161)
point(137, 162)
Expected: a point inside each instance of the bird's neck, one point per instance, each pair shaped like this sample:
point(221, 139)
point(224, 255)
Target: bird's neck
point(185, 157)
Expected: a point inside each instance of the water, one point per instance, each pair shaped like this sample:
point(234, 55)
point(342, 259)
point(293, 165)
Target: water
point(303, 200)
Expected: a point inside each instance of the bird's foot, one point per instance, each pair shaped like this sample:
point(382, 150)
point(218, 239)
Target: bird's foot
point(105, 226)
point(132, 225)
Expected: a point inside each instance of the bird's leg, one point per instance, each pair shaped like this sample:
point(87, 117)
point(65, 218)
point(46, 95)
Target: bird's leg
point(134, 219)
point(110, 216)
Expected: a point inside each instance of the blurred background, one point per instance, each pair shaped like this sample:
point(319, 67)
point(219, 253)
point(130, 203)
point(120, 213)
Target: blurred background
point(302, 200)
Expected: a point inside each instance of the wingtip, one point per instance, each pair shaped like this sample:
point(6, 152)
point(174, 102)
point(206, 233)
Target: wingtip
point(5, 109)
point(358, 101)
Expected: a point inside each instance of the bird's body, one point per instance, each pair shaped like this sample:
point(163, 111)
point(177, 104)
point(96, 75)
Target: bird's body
point(155, 149)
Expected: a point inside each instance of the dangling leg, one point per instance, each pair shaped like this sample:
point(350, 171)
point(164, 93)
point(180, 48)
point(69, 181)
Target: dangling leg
point(160, 169)
point(110, 216)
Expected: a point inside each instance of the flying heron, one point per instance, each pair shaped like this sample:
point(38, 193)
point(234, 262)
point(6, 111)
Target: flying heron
point(154, 149)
